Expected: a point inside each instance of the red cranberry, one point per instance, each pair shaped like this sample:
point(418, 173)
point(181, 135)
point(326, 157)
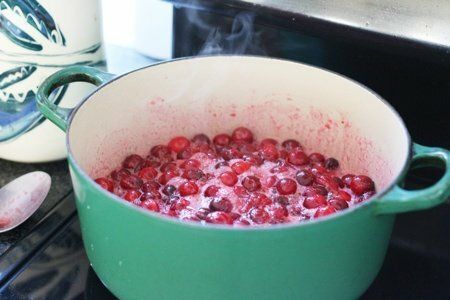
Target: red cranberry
point(148, 173)
point(228, 178)
point(169, 190)
point(190, 164)
point(151, 205)
point(286, 186)
point(253, 159)
point(347, 179)
point(150, 186)
point(297, 157)
point(339, 182)
point(324, 211)
point(242, 134)
point(193, 174)
point(260, 200)
point(327, 181)
point(229, 153)
point(201, 139)
point(151, 163)
point(342, 195)
point(202, 213)
point(221, 204)
point(314, 201)
point(240, 167)
point(240, 191)
point(270, 181)
point(362, 184)
point(105, 183)
point(222, 139)
point(310, 191)
point(185, 153)
point(304, 177)
point(290, 144)
point(247, 148)
point(118, 174)
point(188, 188)
point(282, 200)
point(316, 157)
point(168, 166)
point(338, 203)
point(331, 163)
point(179, 204)
point(269, 152)
point(251, 183)
point(132, 161)
point(259, 215)
point(167, 175)
point(153, 194)
point(219, 217)
point(277, 212)
point(211, 191)
point(131, 182)
point(178, 144)
point(131, 195)
point(268, 141)
point(160, 151)
point(317, 170)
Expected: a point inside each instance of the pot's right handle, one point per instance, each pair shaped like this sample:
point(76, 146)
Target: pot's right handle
point(60, 115)
point(400, 200)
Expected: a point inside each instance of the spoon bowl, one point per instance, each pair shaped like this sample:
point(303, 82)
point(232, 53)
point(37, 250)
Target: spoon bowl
point(20, 198)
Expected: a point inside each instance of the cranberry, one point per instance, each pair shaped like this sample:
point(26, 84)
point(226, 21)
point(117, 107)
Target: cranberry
point(211, 191)
point(347, 179)
point(342, 195)
point(297, 157)
point(314, 201)
point(150, 195)
point(193, 174)
point(331, 163)
point(179, 204)
point(324, 211)
point(167, 175)
point(339, 182)
point(259, 215)
point(270, 181)
point(338, 203)
point(316, 157)
point(221, 204)
point(260, 200)
point(150, 186)
point(242, 134)
point(269, 152)
point(151, 163)
point(304, 177)
point(185, 153)
point(188, 188)
point(240, 191)
point(228, 178)
point(178, 144)
point(132, 161)
point(253, 159)
point(317, 170)
point(240, 167)
point(268, 141)
point(286, 186)
point(160, 151)
point(290, 144)
point(247, 148)
point(251, 183)
point(201, 139)
point(118, 174)
point(309, 191)
point(168, 166)
point(105, 183)
point(242, 222)
point(362, 184)
point(131, 182)
point(148, 173)
point(151, 205)
point(228, 153)
point(131, 195)
point(277, 212)
point(169, 190)
point(190, 164)
point(222, 139)
point(219, 217)
point(327, 181)
point(282, 200)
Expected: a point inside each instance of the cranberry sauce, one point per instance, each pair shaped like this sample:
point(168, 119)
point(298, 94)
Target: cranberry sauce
point(235, 179)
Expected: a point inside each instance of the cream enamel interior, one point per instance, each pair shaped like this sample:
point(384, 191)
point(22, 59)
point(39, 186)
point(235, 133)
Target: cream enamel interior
point(275, 98)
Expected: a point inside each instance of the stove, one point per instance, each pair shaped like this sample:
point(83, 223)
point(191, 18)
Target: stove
point(44, 258)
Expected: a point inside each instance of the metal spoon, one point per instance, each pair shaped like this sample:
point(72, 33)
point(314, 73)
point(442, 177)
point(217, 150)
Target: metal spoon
point(20, 198)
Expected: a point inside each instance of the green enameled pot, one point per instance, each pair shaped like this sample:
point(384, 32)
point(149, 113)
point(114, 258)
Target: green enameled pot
point(143, 255)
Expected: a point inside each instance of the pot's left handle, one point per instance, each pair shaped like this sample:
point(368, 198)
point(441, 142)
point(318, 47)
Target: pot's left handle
point(53, 112)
